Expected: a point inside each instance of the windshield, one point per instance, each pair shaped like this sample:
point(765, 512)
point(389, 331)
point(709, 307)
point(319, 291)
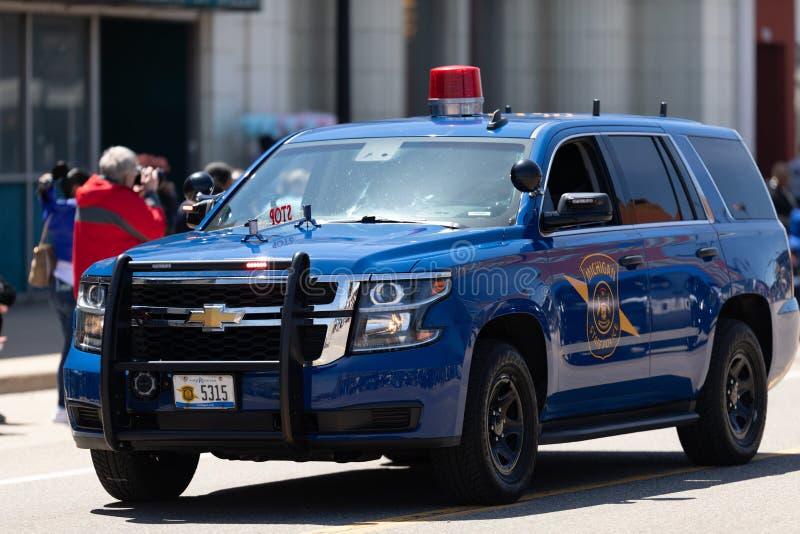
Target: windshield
point(454, 181)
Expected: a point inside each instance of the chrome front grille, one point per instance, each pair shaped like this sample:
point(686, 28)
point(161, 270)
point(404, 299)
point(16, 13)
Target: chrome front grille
point(259, 293)
point(231, 318)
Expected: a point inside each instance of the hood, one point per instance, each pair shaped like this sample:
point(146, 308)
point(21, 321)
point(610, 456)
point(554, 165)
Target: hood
point(333, 247)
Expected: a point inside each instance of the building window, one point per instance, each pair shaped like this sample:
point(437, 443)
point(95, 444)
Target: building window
point(10, 94)
point(59, 91)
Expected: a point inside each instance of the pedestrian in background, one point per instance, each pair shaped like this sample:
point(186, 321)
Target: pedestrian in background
point(781, 193)
point(59, 217)
point(794, 172)
point(114, 212)
point(222, 173)
point(167, 194)
point(7, 297)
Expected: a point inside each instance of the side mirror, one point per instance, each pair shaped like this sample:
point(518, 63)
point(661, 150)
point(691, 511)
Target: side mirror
point(578, 209)
point(198, 183)
point(195, 213)
point(526, 175)
point(196, 186)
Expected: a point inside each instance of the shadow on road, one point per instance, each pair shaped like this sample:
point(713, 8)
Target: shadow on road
point(373, 494)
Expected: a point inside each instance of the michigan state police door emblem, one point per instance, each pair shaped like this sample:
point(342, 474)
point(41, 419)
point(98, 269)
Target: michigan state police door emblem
point(599, 289)
point(601, 275)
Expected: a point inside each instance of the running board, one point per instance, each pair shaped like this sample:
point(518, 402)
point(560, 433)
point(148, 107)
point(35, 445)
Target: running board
point(579, 429)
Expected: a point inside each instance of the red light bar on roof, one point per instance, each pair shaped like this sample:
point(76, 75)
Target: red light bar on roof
point(455, 90)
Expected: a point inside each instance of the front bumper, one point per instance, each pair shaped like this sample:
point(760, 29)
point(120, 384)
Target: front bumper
point(358, 404)
point(339, 403)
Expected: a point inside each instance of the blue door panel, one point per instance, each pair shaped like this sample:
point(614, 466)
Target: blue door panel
point(602, 330)
point(685, 299)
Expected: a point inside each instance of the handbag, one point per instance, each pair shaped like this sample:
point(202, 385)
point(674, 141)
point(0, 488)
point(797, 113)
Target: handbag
point(43, 263)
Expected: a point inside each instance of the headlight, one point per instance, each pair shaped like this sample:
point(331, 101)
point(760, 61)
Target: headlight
point(391, 310)
point(90, 314)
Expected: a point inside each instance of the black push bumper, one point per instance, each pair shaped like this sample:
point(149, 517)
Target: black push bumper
point(291, 432)
point(290, 367)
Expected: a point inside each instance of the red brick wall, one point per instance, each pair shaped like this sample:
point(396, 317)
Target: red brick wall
point(775, 135)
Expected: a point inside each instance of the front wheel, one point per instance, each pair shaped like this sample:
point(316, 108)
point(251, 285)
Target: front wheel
point(144, 476)
point(733, 402)
point(494, 462)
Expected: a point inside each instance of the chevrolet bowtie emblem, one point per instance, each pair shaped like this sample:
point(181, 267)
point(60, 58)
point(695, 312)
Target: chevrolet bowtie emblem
point(214, 317)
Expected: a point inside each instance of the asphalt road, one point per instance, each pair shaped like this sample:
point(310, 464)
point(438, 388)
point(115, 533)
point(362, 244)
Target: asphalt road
point(635, 483)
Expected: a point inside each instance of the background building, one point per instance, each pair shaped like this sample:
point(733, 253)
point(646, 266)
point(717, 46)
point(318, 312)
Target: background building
point(176, 77)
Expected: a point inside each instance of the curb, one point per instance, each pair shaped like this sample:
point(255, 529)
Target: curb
point(28, 373)
point(28, 382)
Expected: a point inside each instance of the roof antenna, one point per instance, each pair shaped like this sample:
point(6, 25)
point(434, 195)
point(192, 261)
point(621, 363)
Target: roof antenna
point(508, 108)
point(663, 111)
point(497, 120)
point(596, 108)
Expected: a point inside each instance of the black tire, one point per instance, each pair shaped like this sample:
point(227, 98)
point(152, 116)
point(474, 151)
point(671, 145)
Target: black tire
point(733, 402)
point(481, 470)
point(144, 476)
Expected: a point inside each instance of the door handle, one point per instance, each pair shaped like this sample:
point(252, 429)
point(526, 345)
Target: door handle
point(632, 261)
point(707, 253)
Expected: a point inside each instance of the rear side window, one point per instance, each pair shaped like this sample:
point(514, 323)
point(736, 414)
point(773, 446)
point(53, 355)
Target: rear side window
point(651, 192)
point(685, 181)
point(736, 176)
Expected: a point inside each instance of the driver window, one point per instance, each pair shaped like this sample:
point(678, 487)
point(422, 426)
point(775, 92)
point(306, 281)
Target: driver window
point(576, 168)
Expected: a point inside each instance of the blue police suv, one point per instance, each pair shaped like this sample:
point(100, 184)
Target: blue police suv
point(461, 288)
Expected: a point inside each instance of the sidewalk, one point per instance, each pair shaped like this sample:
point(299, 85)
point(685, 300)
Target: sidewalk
point(32, 329)
point(29, 360)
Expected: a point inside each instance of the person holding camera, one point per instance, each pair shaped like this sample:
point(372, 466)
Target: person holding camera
point(117, 209)
point(59, 220)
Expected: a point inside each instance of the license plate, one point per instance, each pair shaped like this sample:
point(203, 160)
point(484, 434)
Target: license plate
point(204, 391)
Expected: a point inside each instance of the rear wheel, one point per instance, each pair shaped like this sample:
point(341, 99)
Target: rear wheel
point(494, 462)
point(144, 476)
point(733, 402)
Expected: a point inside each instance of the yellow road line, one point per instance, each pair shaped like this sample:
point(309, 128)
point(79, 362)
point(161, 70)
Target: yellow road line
point(457, 511)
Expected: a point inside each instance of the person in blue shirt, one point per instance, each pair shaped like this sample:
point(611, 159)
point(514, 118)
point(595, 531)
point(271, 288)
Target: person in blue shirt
point(59, 215)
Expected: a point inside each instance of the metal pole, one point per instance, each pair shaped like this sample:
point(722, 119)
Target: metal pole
point(30, 176)
point(343, 60)
point(94, 93)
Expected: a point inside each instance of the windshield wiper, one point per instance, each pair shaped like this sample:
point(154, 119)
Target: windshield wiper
point(372, 219)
